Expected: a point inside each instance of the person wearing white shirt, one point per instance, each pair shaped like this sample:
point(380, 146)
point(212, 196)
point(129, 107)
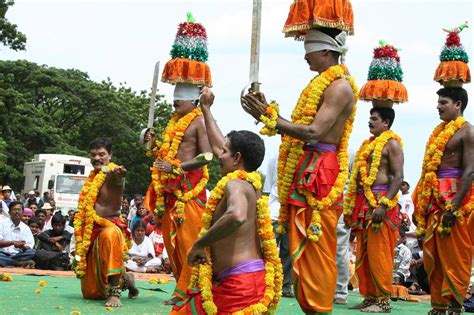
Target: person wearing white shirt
point(270, 186)
point(142, 253)
point(16, 239)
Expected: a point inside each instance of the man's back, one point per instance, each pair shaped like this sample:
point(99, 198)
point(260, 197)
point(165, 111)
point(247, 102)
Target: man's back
point(244, 243)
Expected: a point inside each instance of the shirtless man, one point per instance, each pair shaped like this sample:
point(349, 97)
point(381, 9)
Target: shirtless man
point(442, 216)
point(176, 173)
point(233, 239)
point(103, 274)
point(318, 136)
point(374, 217)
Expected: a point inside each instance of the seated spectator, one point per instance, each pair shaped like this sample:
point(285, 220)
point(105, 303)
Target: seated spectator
point(35, 225)
point(27, 214)
point(16, 240)
point(402, 261)
point(141, 213)
point(418, 276)
point(41, 215)
point(71, 215)
point(142, 253)
point(34, 207)
point(154, 232)
point(49, 213)
point(7, 195)
point(54, 245)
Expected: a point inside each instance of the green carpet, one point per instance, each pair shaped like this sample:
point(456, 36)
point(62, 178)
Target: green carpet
point(63, 295)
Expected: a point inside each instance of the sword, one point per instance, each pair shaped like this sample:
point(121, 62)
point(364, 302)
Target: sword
point(255, 45)
point(151, 109)
point(254, 49)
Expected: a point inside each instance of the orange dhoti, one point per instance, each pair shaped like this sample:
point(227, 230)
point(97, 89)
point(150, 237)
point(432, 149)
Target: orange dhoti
point(375, 249)
point(104, 259)
point(447, 259)
point(314, 263)
point(180, 237)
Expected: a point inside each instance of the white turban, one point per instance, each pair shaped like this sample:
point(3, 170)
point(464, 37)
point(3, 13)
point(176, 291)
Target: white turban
point(186, 92)
point(316, 40)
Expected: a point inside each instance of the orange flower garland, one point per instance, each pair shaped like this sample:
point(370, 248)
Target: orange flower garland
point(270, 119)
point(428, 184)
point(202, 274)
point(370, 147)
point(167, 151)
point(291, 150)
point(86, 217)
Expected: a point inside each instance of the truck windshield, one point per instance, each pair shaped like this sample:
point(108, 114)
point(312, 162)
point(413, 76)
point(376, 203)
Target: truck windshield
point(68, 184)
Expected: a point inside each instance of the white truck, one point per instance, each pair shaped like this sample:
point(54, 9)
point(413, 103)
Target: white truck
point(62, 175)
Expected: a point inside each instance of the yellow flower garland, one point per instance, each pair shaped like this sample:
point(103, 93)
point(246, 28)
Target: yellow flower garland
point(291, 150)
point(270, 119)
point(428, 184)
point(202, 274)
point(167, 151)
point(86, 217)
point(370, 147)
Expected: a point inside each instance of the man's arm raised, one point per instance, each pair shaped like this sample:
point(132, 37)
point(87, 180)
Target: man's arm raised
point(214, 134)
point(336, 98)
point(234, 216)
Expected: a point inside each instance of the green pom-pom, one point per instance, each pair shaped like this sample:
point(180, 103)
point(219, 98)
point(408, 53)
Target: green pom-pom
point(454, 54)
point(190, 17)
point(198, 53)
point(385, 73)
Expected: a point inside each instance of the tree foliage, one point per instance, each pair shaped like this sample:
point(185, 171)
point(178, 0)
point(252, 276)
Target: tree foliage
point(9, 35)
point(50, 110)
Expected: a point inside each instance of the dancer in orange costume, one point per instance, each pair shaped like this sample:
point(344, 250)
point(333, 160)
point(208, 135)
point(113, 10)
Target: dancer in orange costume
point(101, 236)
point(313, 165)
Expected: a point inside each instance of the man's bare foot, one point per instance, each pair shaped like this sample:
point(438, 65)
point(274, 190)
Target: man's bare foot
point(172, 301)
point(361, 305)
point(129, 282)
point(113, 301)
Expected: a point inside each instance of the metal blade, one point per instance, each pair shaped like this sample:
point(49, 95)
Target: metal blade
point(255, 43)
point(151, 110)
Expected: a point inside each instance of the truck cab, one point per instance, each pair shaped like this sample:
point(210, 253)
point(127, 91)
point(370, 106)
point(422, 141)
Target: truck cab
point(62, 175)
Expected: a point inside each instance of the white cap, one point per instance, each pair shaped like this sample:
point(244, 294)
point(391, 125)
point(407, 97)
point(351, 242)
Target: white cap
point(186, 92)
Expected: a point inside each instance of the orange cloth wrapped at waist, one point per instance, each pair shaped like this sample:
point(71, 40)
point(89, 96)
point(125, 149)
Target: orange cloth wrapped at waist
point(363, 213)
point(115, 220)
point(316, 172)
point(233, 294)
point(447, 189)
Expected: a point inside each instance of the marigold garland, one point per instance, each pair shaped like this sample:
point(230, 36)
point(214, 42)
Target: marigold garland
point(86, 217)
point(202, 274)
point(167, 151)
point(291, 150)
point(270, 119)
point(371, 147)
point(428, 184)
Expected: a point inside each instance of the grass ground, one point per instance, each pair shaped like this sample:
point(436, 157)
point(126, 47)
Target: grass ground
point(63, 296)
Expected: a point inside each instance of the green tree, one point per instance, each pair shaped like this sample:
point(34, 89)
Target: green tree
point(9, 35)
point(50, 110)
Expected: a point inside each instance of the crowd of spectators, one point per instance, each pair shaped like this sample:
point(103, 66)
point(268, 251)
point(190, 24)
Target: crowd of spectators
point(35, 234)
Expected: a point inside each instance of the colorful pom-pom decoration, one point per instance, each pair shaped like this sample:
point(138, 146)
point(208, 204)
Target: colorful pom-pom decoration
point(384, 82)
point(188, 56)
point(453, 70)
point(307, 14)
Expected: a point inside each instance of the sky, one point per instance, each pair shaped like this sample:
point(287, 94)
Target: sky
point(123, 39)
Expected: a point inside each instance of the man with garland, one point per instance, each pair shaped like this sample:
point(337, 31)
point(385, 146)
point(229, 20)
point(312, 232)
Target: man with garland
point(444, 195)
point(313, 165)
point(236, 249)
point(101, 235)
point(180, 177)
point(443, 202)
point(372, 211)
point(177, 193)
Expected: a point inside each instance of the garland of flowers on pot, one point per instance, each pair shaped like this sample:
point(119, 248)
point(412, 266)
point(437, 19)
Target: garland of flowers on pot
point(291, 150)
point(167, 151)
point(428, 184)
point(202, 274)
point(370, 147)
point(86, 217)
